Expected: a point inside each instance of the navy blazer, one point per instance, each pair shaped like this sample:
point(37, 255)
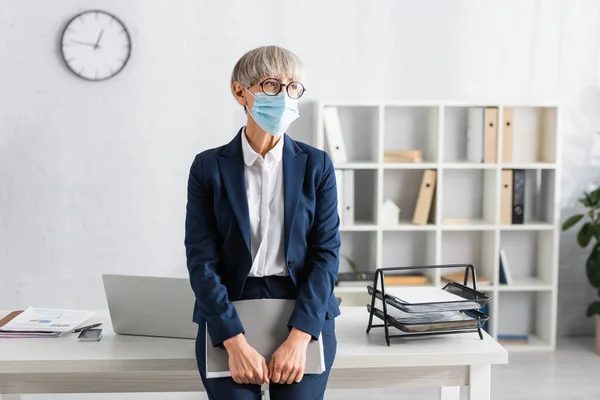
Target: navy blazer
point(217, 235)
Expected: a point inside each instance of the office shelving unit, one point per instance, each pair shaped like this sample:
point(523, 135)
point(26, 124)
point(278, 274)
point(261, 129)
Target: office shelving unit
point(465, 191)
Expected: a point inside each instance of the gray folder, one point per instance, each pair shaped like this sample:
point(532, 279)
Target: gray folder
point(265, 323)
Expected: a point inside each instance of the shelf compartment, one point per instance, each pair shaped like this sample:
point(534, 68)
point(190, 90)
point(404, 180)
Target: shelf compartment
point(456, 125)
point(476, 248)
point(529, 257)
point(534, 135)
point(540, 189)
point(469, 196)
point(403, 249)
point(361, 247)
point(526, 313)
point(402, 187)
point(360, 132)
point(412, 128)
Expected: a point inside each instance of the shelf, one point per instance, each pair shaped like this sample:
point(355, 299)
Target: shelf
point(411, 128)
point(469, 194)
point(410, 165)
point(353, 288)
point(464, 218)
point(356, 165)
point(407, 226)
point(528, 165)
point(525, 284)
point(530, 226)
point(469, 165)
point(359, 227)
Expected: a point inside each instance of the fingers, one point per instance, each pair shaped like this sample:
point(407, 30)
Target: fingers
point(258, 374)
point(271, 367)
point(286, 370)
point(292, 376)
point(276, 373)
point(299, 376)
point(265, 371)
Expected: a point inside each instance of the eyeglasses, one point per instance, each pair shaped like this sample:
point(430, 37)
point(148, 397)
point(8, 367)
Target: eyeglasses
point(272, 87)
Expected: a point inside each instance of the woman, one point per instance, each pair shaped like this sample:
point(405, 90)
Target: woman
point(262, 222)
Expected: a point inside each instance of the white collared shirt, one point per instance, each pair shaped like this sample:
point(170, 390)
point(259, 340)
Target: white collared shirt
point(264, 189)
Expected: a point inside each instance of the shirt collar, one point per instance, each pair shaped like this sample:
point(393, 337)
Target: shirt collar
point(250, 155)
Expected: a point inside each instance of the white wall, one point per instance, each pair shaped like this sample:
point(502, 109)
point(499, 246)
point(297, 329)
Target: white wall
point(93, 175)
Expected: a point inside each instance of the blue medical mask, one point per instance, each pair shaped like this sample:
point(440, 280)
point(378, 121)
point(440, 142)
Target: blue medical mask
point(274, 114)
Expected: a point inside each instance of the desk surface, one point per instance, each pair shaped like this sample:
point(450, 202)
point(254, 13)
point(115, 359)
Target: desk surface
point(356, 348)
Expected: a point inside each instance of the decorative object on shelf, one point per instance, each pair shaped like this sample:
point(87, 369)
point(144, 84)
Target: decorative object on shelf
point(509, 338)
point(406, 279)
point(505, 273)
point(95, 45)
point(518, 196)
point(459, 276)
point(415, 311)
point(425, 199)
point(588, 231)
point(335, 138)
point(356, 275)
point(390, 213)
point(401, 156)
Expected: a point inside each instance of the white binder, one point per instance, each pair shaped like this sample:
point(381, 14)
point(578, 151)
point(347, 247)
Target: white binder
point(339, 181)
point(475, 144)
point(348, 197)
point(333, 132)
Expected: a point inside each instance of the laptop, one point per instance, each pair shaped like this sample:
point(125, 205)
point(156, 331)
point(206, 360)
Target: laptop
point(150, 306)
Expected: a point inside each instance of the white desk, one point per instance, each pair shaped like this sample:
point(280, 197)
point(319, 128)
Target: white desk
point(145, 364)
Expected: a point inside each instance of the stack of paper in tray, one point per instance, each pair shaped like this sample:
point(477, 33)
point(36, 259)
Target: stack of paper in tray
point(41, 322)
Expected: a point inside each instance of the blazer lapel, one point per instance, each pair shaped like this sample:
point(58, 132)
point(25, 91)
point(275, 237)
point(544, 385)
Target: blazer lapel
point(294, 166)
point(231, 164)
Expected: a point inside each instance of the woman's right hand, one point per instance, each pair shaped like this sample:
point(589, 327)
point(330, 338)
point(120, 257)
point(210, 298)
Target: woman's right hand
point(246, 364)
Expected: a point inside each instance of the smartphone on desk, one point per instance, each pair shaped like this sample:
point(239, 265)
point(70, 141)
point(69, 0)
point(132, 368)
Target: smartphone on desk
point(90, 335)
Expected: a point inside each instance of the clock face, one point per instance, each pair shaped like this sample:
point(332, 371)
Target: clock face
point(95, 45)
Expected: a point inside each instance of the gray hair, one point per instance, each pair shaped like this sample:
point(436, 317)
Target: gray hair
point(266, 61)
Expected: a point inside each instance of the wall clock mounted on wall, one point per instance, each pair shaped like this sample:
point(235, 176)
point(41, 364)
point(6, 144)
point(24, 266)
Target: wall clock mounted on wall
point(95, 45)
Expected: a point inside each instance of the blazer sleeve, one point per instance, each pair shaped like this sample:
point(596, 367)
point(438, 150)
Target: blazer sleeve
point(322, 258)
point(203, 259)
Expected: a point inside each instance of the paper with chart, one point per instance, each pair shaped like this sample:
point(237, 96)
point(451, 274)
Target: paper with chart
point(47, 320)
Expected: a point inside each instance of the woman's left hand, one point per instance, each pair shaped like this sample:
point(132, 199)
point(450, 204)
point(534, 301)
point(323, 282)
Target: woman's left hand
point(288, 362)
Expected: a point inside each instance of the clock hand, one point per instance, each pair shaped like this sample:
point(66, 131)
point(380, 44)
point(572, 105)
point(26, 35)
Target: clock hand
point(84, 43)
point(98, 41)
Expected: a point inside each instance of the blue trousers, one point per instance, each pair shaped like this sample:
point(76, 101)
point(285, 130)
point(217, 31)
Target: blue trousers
point(311, 387)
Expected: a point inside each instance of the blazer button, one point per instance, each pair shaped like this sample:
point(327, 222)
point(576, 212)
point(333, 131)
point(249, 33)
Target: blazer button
point(290, 264)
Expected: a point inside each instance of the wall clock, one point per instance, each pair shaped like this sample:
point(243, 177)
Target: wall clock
point(95, 45)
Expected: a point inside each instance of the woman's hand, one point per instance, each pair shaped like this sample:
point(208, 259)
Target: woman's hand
point(246, 364)
point(288, 362)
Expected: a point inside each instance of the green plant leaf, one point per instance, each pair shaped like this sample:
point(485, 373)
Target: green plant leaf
point(572, 221)
point(586, 200)
point(596, 231)
point(585, 234)
point(595, 195)
point(352, 264)
point(593, 309)
point(592, 267)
